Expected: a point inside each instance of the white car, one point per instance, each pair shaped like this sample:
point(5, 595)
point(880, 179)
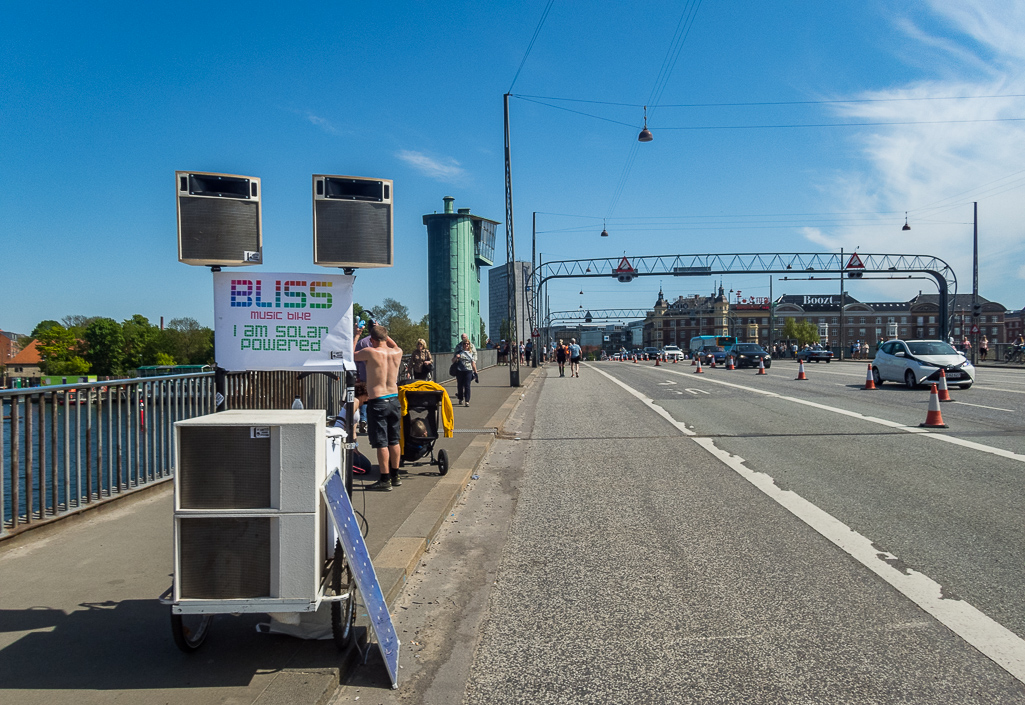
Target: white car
point(915, 362)
point(672, 352)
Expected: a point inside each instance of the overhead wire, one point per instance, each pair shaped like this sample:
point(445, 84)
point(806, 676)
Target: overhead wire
point(680, 35)
point(537, 31)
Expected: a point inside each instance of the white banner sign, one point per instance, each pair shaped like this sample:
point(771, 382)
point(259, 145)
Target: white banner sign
point(282, 321)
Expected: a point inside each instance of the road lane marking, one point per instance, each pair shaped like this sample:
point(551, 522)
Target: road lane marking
point(995, 408)
point(992, 450)
point(999, 389)
point(990, 638)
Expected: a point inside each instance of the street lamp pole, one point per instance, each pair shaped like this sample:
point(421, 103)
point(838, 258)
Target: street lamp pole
point(533, 286)
point(510, 249)
point(975, 281)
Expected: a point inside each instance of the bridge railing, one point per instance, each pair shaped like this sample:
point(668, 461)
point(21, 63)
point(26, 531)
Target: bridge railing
point(66, 448)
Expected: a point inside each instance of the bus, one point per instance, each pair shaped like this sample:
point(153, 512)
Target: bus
point(726, 342)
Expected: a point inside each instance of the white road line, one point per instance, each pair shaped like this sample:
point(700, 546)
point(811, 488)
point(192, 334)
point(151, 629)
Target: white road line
point(992, 639)
point(983, 407)
point(999, 389)
point(876, 420)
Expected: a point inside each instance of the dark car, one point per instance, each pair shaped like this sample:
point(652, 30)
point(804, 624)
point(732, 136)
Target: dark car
point(710, 352)
point(748, 355)
point(815, 353)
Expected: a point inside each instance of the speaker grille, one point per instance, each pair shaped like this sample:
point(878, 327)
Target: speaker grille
point(353, 232)
point(223, 559)
point(218, 229)
point(221, 467)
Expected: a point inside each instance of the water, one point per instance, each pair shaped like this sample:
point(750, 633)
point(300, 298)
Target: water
point(115, 447)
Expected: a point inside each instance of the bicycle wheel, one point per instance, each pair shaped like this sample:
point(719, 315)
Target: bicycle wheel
point(343, 612)
point(190, 630)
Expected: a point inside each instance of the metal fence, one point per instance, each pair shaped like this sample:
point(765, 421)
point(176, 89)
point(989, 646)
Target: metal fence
point(65, 448)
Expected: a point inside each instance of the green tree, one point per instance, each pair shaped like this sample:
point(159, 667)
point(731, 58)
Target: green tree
point(141, 340)
point(395, 317)
point(163, 359)
point(804, 332)
point(188, 342)
point(59, 350)
point(483, 333)
point(40, 327)
point(105, 343)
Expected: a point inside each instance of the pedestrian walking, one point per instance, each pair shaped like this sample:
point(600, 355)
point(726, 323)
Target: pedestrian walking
point(574, 358)
point(983, 348)
point(561, 353)
point(465, 368)
point(421, 364)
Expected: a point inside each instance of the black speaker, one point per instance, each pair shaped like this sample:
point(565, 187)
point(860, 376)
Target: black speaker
point(352, 221)
point(219, 219)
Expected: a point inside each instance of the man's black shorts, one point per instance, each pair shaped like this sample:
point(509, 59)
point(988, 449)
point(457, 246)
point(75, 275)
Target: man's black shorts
point(575, 360)
point(384, 422)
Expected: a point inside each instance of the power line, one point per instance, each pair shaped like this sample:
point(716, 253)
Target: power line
point(537, 31)
point(840, 101)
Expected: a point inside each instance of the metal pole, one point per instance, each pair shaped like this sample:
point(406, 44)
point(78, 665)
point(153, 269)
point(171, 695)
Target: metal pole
point(533, 288)
point(514, 355)
point(975, 282)
point(841, 305)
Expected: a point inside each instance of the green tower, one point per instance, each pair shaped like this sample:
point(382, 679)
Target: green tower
point(458, 245)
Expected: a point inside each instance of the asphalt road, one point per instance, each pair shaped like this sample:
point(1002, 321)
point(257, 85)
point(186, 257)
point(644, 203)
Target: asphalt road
point(731, 537)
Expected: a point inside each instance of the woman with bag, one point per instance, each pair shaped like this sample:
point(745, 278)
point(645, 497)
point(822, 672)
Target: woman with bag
point(421, 364)
point(465, 369)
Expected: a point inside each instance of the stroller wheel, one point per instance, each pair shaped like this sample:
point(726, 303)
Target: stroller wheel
point(442, 462)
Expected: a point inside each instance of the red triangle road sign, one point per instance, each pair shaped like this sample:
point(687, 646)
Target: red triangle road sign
point(855, 262)
point(624, 266)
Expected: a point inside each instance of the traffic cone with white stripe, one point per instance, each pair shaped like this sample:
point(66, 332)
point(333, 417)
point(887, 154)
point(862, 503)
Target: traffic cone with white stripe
point(657, 363)
point(698, 370)
point(870, 381)
point(712, 363)
point(635, 359)
point(729, 363)
point(944, 392)
point(692, 361)
point(761, 366)
point(934, 419)
point(800, 370)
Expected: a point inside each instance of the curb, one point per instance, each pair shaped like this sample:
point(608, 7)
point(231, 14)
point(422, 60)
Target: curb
point(401, 554)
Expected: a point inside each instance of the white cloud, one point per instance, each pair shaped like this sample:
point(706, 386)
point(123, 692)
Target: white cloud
point(323, 123)
point(819, 238)
point(445, 169)
point(972, 151)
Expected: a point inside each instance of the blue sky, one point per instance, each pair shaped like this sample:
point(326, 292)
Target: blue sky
point(99, 105)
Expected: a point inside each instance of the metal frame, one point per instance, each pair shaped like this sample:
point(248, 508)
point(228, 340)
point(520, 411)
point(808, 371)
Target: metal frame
point(763, 263)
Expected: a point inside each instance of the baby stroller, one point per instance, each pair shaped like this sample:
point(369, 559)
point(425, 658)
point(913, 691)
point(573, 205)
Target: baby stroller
point(426, 407)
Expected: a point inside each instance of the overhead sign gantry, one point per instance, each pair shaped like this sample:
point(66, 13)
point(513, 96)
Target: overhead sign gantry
point(886, 265)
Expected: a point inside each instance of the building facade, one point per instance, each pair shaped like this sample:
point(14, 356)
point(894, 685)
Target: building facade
point(759, 320)
point(498, 299)
point(459, 244)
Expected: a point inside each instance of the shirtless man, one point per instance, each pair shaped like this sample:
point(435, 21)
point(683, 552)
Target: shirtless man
point(382, 359)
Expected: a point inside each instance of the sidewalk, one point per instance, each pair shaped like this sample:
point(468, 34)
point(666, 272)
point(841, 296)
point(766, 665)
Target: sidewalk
point(79, 617)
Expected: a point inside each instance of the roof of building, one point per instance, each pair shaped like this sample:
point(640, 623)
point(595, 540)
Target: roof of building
point(961, 301)
point(28, 356)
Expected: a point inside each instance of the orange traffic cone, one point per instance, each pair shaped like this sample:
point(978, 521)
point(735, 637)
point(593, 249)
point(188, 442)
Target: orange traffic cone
point(870, 381)
point(635, 359)
point(712, 363)
point(761, 366)
point(800, 370)
point(692, 361)
point(657, 363)
point(944, 392)
point(698, 370)
point(729, 363)
point(676, 360)
point(934, 419)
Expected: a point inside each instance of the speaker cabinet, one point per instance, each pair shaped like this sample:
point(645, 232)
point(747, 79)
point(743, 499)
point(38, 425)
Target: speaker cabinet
point(219, 219)
point(248, 520)
point(352, 221)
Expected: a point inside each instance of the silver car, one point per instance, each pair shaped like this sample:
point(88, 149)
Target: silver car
point(916, 362)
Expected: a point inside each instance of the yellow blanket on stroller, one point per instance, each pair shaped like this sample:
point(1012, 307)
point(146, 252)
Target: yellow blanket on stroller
point(448, 418)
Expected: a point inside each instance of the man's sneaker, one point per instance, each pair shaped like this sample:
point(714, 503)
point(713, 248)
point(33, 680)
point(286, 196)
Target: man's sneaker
point(400, 471)
point(380, 485)
point(395, 481)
